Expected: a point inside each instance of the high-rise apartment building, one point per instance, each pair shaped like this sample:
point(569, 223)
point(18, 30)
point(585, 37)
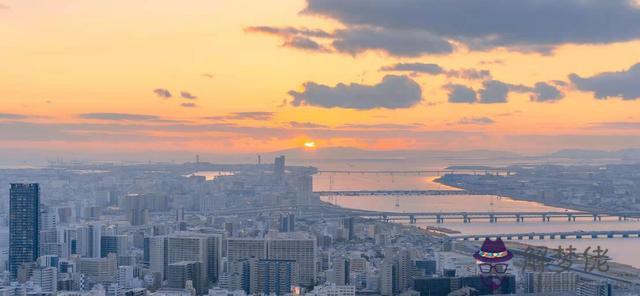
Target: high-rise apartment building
point(299, 247)
point(24, 225)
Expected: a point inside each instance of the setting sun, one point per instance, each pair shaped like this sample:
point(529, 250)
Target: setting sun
point(310, 144)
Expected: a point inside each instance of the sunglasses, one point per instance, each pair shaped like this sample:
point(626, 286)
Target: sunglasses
point(498, 268)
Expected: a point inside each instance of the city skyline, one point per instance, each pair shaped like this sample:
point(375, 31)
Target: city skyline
point(247, 76)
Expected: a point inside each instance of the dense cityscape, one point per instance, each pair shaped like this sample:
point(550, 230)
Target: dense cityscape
point(167, 229)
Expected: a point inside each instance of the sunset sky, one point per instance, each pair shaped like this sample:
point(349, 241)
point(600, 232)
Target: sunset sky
point(229, 76)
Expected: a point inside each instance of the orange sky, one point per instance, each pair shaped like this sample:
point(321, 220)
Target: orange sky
point(60, 59)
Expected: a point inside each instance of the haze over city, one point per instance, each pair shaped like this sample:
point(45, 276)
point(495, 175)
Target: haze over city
point(319, 147)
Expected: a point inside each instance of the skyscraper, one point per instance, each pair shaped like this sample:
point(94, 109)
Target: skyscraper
point(279, 167)
point(24, 222)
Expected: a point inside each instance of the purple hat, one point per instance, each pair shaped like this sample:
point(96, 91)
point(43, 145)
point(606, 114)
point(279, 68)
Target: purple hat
point(493, 251)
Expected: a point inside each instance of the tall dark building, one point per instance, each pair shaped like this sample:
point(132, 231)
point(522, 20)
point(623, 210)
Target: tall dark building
point(24, 225)
point(279, 167)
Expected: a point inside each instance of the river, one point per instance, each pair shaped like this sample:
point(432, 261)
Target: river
point(619, 249)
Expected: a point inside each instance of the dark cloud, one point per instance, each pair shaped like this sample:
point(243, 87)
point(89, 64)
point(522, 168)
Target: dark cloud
point(288, 31)
point(381, 126)
point(459, 93)
point(304, 43)
point(12, 116)
point(296, 124)
point(392, 93)
point(187, 95)
point(476, 121)
point(189, 105)
point(480, 24)
point(470, 74)
point(407, 43)
point(260, 116)
point(119, 116)
point(494, 92)
point(622, 84)
point(432, 69)
point(544, 92)
point(162, 93)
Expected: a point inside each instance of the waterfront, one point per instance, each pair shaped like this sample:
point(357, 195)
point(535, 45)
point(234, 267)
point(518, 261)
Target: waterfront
point(621, 250)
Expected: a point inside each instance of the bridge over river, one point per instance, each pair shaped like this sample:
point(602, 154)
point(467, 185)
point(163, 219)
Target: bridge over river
point(553, 235)
point(395, 192)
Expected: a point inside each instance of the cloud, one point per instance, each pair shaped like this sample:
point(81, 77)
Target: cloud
point(392, 93)
point(476, 121)
point(259, 116)
point(381, 126)
point(304, 43)
point(432, 69)
point(459, 93)
point(2, 6)
point(621, 84)
point(162, 93)
point(12, 116)
point(407, 43)
point(535, 25)
point(470, 74)
point(296, 124)
point(297, 38)
point(494, 92)
point(208, 75)
point(544, 92)
point(189, 105)
point(119, 116)
point(187, 95)
point(288, 31)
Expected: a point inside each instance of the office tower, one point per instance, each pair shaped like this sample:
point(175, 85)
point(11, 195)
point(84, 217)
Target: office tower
point(48, 220)
point(405, 268)
point(125, 276)
point(24, 225)
point(49, 260)
point(158, 260)
point(49, 242)
point(204, 248)
point(388, 276)
point(245, 248)
point(424, 267)
point(348, 225)
point(287, 222)
point(334, 290)
point(276, 276)
point(303, 187)
point(137, 210)
point(589, 288)
point(89, 240)
point(279, 168)
point(299, 247)
point(341, 271)
point(46, 278)
point(182, 272)
point(117, 244)
point(550, 282)
point(99, 270)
